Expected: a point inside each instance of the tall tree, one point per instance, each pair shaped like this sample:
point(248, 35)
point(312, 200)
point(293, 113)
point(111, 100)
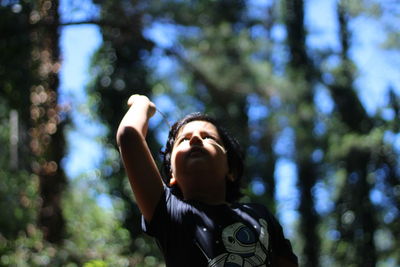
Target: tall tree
point(120, 71)
point(356, 214)
point(47, 138)
point(30, 86)
point(302, 76)
point(221, 66)
point(17, 193)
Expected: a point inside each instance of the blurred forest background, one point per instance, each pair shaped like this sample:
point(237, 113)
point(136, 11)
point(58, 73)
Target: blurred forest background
point(292, 92)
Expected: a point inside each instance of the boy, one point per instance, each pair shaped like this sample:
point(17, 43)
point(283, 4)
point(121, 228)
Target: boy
point(192, 213)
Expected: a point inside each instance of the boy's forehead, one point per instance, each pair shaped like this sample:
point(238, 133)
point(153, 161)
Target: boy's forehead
point(198, 125)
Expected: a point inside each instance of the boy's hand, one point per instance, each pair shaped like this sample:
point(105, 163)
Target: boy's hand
point(141, 109)
point(142, 101)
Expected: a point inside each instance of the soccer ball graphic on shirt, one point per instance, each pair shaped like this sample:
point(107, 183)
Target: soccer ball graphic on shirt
point(243, 246)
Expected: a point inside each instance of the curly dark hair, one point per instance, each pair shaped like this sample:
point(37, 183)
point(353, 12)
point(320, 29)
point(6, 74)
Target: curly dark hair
point(234, 154)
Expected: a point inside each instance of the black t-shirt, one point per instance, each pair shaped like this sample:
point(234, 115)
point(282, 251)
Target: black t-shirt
point(191, 233)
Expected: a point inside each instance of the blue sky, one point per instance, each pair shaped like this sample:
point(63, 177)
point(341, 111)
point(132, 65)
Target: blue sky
point(77, 46)
point(378, 70)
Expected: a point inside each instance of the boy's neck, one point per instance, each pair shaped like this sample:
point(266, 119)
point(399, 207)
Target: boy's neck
point(207, 200)
point(211, 195)
point(203, 186)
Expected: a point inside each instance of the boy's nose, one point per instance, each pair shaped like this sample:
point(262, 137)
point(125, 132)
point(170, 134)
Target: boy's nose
point(196, 140)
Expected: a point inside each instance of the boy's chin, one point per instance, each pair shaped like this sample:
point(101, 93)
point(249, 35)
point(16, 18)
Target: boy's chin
point(199, 163)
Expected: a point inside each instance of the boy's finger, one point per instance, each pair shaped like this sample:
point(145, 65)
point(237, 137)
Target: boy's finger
point(152, 109)
point(131, 99)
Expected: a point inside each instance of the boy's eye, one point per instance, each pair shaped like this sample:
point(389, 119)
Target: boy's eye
point(187, 138)
point(183, 139)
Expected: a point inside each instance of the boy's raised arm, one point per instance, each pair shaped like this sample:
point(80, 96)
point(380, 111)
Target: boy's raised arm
point(142, 171)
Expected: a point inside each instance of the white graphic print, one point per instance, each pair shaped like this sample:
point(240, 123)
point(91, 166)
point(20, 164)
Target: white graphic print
point(243, 246)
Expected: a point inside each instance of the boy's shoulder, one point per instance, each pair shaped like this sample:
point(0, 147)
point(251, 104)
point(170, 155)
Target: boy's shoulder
point(252, 205)
point(256, 209)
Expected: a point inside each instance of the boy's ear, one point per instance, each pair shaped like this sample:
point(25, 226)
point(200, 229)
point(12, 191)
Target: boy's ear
point(172, 181)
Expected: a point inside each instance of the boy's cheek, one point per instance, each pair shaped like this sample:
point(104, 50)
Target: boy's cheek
point(176, 158)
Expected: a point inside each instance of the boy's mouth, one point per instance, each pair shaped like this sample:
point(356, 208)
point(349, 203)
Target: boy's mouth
point(196, 151)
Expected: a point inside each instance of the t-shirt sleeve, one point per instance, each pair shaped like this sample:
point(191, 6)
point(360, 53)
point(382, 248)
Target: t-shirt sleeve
point(168, 215)
point(153, 228)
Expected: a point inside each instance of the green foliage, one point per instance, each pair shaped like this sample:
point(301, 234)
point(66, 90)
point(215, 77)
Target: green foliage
point(95, 263)
point(341, 144)
point(18, 201)
point(18, 187)
point(95, 238)
point(28, 249)
point(93, 231)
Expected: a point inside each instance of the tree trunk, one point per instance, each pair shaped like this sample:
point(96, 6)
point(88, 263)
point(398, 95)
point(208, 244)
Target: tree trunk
point(359, 228)
point(300, 72)
point(47, 138)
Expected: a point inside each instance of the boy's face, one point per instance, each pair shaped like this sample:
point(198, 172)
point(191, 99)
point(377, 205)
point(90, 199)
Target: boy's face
point(198, 150)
